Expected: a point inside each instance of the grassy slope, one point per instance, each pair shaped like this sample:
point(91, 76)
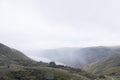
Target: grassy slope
point(10, 56)
point(35, 73)
point(109, 67)
point(105, 64)
point(14, 65)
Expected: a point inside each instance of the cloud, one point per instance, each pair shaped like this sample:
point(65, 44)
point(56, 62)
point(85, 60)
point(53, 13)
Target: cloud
point(38, 24)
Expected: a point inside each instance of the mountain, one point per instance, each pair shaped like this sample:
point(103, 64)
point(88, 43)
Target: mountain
point(78, 57)
point(14, 65)
point(9, 56)
point(10, 53)
point(107, 68)
point(103, 65)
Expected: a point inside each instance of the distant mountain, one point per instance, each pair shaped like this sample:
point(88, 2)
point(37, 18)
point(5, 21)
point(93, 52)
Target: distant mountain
point(105, 64)
point(78, 57)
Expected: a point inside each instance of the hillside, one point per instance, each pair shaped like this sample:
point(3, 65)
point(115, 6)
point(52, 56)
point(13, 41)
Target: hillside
point(14, 65)
point(10, 53)
point(41, 73)
point(12, 56)
point(104, 65)
point(107, 68)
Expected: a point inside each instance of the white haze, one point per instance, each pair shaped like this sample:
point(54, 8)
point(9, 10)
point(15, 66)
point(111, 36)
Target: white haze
point(44, 59)
point(46, 24)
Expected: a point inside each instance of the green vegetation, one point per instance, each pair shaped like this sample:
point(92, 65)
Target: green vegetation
point(108, 68)
point(14, 65)
point(17, 72)
point(102, 65)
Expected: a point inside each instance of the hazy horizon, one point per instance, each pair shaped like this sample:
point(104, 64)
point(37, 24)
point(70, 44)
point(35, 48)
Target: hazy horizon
point(36, 24)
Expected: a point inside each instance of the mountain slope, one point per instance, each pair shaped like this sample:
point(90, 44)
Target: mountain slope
point(104, 65)
point(9, 55)
point(13, 67)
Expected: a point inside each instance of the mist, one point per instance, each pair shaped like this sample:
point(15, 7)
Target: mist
point(53, 24)
point(35, 25)
point(60, 39)
point(78, 57)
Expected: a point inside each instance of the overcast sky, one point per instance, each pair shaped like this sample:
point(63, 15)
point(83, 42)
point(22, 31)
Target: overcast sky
point(44, 24)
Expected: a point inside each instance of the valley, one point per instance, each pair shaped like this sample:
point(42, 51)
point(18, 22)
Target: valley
point(102, 63)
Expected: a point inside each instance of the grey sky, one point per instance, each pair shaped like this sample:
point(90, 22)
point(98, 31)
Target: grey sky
point(41, 24)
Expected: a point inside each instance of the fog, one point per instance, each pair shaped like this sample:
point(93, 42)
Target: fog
point(30, 25)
